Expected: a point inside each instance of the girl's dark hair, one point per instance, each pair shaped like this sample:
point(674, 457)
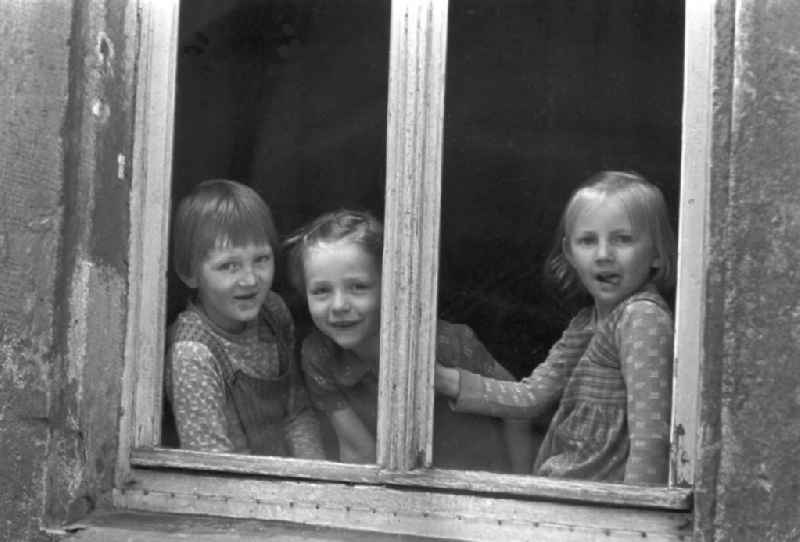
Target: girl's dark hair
point(219, 211)
point(359, 227)
point(646, 209)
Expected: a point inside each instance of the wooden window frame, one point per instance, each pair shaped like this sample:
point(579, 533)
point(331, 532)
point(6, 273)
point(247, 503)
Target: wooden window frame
point(396, 494)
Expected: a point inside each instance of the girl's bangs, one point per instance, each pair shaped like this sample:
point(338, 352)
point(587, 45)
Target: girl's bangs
point(578, 203)
point(640, 214)
point(230, 231)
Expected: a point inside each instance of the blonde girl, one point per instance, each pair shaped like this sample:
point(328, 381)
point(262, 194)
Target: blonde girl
point(610, 373)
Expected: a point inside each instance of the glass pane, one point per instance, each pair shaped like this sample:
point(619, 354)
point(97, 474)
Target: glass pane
point(540, 96)
point(289, 99)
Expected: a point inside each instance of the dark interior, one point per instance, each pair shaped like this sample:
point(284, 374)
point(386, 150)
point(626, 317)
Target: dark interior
point(290, 98)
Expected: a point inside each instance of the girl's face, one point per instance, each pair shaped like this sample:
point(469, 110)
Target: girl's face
point(612, 258)
point(343, 288)
point(232, 283)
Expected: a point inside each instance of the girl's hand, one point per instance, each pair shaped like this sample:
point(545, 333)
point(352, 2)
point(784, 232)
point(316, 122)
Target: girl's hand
point(447, 381)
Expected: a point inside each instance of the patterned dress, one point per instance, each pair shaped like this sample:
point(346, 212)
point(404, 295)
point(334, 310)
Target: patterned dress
point(240, 392)
point(337, 379)
point(613, 385)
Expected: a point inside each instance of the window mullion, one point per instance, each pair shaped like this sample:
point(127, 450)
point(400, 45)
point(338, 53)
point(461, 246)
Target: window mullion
point(410, 260)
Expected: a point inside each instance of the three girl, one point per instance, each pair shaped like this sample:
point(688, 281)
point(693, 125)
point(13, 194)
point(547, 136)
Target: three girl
point(611, 371)
point(234, 386)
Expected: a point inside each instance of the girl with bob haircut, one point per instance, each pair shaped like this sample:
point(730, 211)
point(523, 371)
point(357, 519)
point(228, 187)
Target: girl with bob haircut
point(231, 374)
point(611, 372)
point(647, 210)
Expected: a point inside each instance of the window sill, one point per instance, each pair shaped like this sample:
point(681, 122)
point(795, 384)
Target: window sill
point(404, 511)
point(661, 498)
point(132, 526)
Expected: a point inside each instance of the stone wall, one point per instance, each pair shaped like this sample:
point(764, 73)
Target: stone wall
point(34, 78)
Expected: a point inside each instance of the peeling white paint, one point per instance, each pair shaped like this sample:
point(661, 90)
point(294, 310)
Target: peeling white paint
point(121, 167)
point(101, 110)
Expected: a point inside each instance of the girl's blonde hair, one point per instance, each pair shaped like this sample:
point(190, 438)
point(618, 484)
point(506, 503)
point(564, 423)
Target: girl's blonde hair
point(359, 227)
point(646, 209)
point(219, 210)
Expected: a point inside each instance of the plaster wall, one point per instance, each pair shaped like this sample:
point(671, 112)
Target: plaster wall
point(749, 483)
point(34, 77)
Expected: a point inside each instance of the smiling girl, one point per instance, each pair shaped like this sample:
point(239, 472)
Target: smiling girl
point(335, 262)
point(231, 374)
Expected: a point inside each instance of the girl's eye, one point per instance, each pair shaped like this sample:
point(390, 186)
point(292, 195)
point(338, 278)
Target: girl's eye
point(318, 291)
point(360, 286)
point(264, 259)
point(585, 240)
point(623, 238)
point(228, 266)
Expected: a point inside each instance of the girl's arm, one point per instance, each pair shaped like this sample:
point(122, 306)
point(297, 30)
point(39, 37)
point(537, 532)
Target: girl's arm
point(528, 398)
point(645, 335)
point(356, 443)
point(198, 399)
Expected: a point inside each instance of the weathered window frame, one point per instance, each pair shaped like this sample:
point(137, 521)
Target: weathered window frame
point(394, 494)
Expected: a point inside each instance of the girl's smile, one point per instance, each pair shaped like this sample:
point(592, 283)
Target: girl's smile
point(344, 324)
point(343, 291)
